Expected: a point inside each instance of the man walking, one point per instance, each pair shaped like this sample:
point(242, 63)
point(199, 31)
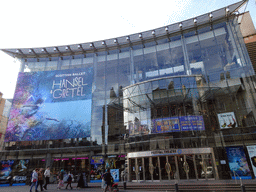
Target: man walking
point(108, 180)
point(47, 175)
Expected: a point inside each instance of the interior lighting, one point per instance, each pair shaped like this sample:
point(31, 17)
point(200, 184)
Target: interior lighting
point(227, 10)
point(30, 50)
point(79, 46)
point(67, 48)
point(180, 25)
point(103, 43)
point(166, 29)
point(91, 44)
point(17, 51)
point(153, 32)
point(195, 21)
point(210, 15)
point(55, 49)
point(140, 35)
point(43, 50)
point(115, 40)
point(127, 38)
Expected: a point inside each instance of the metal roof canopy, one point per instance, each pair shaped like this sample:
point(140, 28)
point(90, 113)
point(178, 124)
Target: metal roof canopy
point(125, 41)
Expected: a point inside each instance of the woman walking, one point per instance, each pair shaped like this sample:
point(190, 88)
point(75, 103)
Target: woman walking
point(34, 180)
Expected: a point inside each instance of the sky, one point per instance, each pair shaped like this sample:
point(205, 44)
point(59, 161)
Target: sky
point(44, 23)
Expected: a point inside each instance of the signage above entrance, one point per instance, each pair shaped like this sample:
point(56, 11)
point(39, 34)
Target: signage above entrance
point(170, 152)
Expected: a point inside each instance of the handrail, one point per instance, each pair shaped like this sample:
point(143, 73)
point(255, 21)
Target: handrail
point(235, 173)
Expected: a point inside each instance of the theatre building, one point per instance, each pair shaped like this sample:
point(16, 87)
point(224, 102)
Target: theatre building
point(177, 102)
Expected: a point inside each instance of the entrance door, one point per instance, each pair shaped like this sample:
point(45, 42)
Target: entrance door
point(191, 167)
point(156, 168)
point(147, 171)
point(171, 167)
point(183, 166)
point(132, 169)
point(204, 166)
point(140, 169)
point(163, 166)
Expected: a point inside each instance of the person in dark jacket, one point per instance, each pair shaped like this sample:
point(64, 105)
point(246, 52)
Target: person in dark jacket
point(80, 183)
point(108, 180)
point(69, 181)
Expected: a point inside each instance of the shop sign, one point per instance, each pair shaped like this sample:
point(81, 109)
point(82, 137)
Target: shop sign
point(97, 160)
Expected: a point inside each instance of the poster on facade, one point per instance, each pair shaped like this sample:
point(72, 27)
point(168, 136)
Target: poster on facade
point(252, 155)
point(237, 163)
point(176, 124)
point(97, 160)
point(49, 105)
point(163, 125)
point(115, 174)
point(138, 127)
point(227, 120)
point(14, 171)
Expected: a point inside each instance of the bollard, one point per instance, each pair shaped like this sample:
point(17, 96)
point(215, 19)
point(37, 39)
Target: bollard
point(176, 188)
point(243, 188)
point(124, 185)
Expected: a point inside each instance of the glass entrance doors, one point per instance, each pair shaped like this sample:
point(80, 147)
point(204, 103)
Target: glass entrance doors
point(176, 167)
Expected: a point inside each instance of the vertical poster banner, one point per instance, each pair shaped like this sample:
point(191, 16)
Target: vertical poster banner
point(237, 163)
point(252, 155)
point(227, 120)
point(51, 105)
point(14, 171)
point(115, 174)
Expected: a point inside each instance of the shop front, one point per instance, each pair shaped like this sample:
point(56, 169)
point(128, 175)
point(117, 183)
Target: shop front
point(172, 164)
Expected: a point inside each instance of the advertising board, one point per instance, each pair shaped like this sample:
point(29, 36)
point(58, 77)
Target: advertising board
point(50, 105)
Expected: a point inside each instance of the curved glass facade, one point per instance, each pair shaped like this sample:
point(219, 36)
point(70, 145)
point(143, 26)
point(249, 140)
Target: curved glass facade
point(174, 107)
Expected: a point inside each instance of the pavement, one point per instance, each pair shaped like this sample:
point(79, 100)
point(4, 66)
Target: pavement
point(96, 187)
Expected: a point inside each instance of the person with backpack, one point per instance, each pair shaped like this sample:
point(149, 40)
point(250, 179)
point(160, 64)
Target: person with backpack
point(108, 180)
point(69, 181)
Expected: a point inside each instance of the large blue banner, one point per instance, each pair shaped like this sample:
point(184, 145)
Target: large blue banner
point(176, 124)
point(50, 105)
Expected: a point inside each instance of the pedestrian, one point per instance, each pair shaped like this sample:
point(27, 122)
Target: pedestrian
point(69, 181)
point(61, 177)
point(108, 180)
point(34, 180)
point(47, 175)
point(40, 179)
point(80, 183)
